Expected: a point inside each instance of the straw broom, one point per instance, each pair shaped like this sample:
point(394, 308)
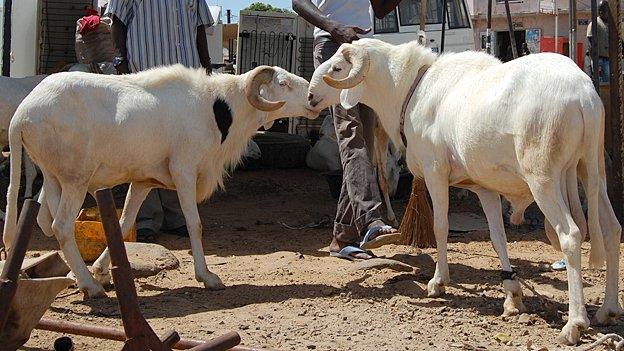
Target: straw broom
point(417, 224)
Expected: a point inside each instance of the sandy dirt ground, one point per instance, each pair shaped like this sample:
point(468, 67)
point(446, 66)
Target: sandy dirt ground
point(284, 292)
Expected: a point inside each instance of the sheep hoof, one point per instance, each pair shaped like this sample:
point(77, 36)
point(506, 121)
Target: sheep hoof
point(212, 282)
point(102, 277)
point(94, 291)
point(434, 289)
point(607, 315)
point(571, 332)
point(513, 302)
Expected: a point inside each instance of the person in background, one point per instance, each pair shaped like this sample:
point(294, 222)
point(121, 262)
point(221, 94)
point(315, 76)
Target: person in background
point(525, 49)
point(155, 33)
point(587, 64)
point(602, 41)
point(358, 217)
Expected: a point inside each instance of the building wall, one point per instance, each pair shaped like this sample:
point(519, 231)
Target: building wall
point(521, 7)
point(546, 24)
point(526, 16)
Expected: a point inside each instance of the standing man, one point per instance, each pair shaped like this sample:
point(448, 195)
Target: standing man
point(152, 33)
point(603, 41)
point(358, 218)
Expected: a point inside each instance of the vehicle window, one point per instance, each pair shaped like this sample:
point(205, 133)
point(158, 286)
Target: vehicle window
point(457, 14)
point(409, 12)
point(388, 24)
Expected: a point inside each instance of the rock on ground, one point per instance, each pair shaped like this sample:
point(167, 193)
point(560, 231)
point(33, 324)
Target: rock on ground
point(147, 260)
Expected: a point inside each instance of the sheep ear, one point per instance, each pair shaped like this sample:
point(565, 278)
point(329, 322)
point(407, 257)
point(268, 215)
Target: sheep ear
point(349, 98)
point(268, 125)
point(262, 120)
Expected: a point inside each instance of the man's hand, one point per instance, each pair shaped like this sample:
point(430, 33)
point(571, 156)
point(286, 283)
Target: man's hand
point(347, 34)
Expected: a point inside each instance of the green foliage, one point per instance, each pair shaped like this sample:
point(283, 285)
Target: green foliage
point(260, 6)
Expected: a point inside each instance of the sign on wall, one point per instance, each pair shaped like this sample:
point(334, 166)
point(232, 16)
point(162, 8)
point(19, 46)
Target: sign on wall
point(547, 7)
point(533, 39)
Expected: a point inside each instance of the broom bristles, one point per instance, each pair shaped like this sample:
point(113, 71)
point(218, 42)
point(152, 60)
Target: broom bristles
point(417, 224)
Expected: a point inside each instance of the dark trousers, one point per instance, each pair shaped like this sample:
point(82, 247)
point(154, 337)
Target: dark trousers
point(360, 200)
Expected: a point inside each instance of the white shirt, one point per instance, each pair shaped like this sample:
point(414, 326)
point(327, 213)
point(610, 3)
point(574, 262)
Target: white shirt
point(350, 12)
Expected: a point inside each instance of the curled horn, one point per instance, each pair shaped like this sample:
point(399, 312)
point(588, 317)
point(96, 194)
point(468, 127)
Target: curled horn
point(358, 58)
point(261, 75)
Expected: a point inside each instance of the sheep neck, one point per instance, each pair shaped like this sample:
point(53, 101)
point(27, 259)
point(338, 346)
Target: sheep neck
point(396, 75)
point(244, 125)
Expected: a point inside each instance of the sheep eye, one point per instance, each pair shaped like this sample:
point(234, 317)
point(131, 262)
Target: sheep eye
point(337, 69)
point(283, 83)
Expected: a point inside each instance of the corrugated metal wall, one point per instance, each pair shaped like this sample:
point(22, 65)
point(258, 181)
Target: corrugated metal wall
point(58, 28)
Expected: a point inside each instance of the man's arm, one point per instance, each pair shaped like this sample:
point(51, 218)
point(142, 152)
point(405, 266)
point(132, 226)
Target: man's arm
point(340, 32)
point(202, 49)
point(383, 7)
point(120, 34)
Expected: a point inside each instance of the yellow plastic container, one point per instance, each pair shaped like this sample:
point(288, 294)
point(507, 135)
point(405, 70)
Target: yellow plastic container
point(90, 234)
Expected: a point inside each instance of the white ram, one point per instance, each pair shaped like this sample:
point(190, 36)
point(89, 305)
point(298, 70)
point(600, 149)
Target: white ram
point(170, 127)
point(525, 129)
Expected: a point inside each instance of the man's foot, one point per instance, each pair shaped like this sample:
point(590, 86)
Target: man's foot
point(146, 235)
point(179, 231)
point(349, 252)
point(379, 234)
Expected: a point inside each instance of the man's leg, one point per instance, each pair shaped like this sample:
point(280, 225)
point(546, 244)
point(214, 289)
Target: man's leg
point(174, 221)
point(354, 131)
point(359, 202)
point(150, 217)
point(345, 233)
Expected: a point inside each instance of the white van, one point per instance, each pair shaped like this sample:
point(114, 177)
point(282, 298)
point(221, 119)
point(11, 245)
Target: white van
point(402, 25)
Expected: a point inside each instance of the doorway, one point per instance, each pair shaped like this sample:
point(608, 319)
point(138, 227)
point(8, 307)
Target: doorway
point(504, 44)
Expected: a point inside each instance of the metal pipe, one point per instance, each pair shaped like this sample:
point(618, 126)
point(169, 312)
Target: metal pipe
point(121, 271)
point(221, 343)
point(6, 38)
point(488, 31)
point(512, 35)
point(444, 8)
point(556, 8)
point(13, 265)
point(594, 46)
point(171, 338)
point(572, 23)
point(106, 333)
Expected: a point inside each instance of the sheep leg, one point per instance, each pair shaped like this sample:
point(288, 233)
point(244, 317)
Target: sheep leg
point(438, 189)
point(31, 173)
point(63, 228)
point(380, 159)
point(44, 217)
point(187, 194)
point(491, 203)
point(610, 310)
point(550, 199)
point(134, 198)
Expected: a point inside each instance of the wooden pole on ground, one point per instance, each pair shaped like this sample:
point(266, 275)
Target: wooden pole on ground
point(615, 82)
point(6, 39)
point(512, 35)
point(444, 10)
point(488, 30)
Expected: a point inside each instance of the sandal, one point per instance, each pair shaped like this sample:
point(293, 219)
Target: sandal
point(374, 237)
point(349, 252)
